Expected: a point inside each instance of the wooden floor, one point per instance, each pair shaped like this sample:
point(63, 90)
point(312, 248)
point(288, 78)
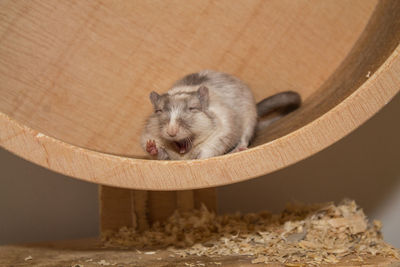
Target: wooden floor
point(87, 253)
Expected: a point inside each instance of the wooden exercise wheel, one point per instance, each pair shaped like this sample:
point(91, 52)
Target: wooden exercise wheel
point(75, 79)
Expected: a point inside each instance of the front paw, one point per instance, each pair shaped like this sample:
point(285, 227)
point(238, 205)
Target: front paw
point(151, 147)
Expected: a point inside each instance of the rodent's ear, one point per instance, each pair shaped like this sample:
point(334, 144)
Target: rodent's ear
point(154, 97)
point(203, 96)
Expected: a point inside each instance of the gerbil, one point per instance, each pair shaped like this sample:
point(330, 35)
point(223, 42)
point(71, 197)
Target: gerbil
point(207, 114)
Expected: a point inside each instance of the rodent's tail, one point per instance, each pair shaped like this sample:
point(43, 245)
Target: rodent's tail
point(282, 103)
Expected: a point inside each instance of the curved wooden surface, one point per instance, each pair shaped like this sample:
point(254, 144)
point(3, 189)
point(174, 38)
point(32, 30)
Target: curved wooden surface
point(75, 78)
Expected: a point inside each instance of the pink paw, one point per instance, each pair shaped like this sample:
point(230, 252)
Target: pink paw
point(242, 148)
point(151, 147)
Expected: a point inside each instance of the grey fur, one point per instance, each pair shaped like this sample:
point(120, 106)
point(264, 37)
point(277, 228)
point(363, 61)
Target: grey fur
point(191, 79)
point(203, 115)
point(283, 103)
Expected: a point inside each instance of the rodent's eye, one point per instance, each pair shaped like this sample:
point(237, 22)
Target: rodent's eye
point(193, 109)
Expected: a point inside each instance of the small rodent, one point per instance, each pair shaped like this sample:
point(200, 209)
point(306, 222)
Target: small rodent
point(207, 114)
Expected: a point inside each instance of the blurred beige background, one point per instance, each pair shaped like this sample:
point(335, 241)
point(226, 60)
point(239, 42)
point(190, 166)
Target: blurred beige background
point(37, 204)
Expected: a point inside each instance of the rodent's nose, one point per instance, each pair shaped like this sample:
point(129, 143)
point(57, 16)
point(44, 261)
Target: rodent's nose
point(172, 131)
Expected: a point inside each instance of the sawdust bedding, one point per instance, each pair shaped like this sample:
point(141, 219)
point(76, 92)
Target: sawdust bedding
point(306, 234)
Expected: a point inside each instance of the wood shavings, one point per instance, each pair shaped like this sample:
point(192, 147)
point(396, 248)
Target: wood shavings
point(29, 258)
point(104, 263)
point(300, 235)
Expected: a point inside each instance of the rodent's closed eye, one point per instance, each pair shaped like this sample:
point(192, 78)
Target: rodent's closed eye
point(194, 109)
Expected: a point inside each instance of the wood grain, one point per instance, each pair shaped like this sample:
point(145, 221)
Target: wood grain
point(117, 209)
point(138, 209)
point(74, 79)
point(89, 253)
